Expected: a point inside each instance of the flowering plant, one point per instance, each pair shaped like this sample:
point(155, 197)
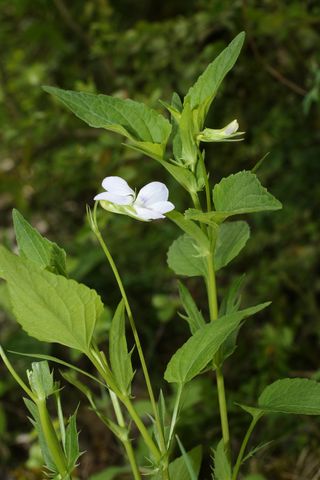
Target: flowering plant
point(54, 308)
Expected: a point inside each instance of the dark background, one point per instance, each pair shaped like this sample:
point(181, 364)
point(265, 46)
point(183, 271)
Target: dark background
point(51, 165)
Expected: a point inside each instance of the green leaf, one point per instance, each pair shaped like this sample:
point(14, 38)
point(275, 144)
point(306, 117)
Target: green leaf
point(231, 301)
point(72, 442)
point(189, 150)
point(222, 468)
point(201, 348)
point(41, 379)
point(184, 258)
point(191, 229)
point(178, 469)
point(37, 248)
point(50, 307)
point(202, 93)
point(120, 359)
point(110, 473)
point(209, 218)
point(194, 316)
point(141, 124)
point(232, 238)
point(242, 193)
point(291, 395)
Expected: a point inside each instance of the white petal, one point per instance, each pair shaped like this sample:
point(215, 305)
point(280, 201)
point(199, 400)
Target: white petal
point(231, 128)
point(116, 199)
point(152, 193)
point(117, 185)
point(163, 207)
point(147, 213)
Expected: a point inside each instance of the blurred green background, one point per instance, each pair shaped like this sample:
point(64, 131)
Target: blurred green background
point(51, 165)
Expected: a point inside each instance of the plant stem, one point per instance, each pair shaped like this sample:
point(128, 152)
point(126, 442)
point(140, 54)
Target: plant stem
point(51, 438)
point(213, 309)
point(99, 365)
point(135, 333)
point(175, 414)
point(244, 446)
point(17, 378)
point(126, 443)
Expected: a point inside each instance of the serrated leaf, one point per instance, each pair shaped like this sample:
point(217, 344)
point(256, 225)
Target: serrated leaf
point(222, 468)
point(72, 442)
point(232, 238)
point(242, 193)
point(37, 248)
point(184, 258)
point(291, 395)
point(120, 358)
point(50, 307)
point(201, 348)
point(178, 469)
point(202, 93)
point(141, 124)
point(194, 316)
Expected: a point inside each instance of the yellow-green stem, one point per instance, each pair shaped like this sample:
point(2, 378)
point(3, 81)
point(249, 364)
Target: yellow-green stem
point(51, 439)
point(213, 309)
point(135, 335)
point(244, 446)
point(99, 365)
point(126, 443)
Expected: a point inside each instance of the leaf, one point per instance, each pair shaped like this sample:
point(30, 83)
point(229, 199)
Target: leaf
point(191, 229)
point(50, 307)
point(231, 301)
point(202, 93)
point(141, 124)
point(72, 442)
point(41, 379)
point(194, 316)
point(232, 238)
point(110, 473)
point(189, 150)
point(222, 468)
point(120, 359)
point(291, 395)
point(242, 193)
point(209, 218)
point(178, 469)
point(184, 259)
point(37, 248)
point(190, 359)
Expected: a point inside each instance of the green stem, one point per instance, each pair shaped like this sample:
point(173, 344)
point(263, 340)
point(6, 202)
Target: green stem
point(175, 414)
point(51, 438)
point(134, 331)
point(99, 365)
point(17, 378)
point(244, 446)
point(213, 309)
point(126, 443)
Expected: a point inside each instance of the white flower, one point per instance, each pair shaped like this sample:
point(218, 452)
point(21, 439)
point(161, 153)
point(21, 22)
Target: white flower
point(229, 133)
point(150, 204)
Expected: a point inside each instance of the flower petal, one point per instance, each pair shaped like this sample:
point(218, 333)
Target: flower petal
point(117, 185)
point(152, 193)
point(114, 198)
point(147, 214)
point(163, 207)
point(231, 128)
